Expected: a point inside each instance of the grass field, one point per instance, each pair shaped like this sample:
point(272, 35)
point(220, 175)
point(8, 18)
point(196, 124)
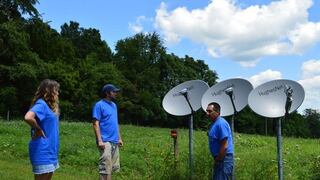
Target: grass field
point(148, 154)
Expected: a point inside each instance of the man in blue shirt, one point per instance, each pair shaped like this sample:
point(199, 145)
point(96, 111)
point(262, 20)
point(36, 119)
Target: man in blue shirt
point(106, 128)
point(220, 143)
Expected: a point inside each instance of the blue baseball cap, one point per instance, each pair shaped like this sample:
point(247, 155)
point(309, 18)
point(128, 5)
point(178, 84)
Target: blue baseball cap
point(109, 88)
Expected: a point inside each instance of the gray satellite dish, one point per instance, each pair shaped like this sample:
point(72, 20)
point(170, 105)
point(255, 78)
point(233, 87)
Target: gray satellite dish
point(219, 93)
point(275, 99)
point(185, 99)
point(269, 99)
point(175, 103)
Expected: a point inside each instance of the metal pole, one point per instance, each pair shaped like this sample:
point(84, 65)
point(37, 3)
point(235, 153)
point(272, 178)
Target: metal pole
point(279, 148)
point(8, 115)
point(191, 146)
point(232, 130)
point(230, 93)
point(232, 124)
point(190, 137)
point(266, 126)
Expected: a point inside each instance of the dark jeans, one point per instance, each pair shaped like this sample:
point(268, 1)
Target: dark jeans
point(223, 170)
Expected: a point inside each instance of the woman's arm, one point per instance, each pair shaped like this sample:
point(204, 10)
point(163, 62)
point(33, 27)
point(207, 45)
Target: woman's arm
point(30, 118)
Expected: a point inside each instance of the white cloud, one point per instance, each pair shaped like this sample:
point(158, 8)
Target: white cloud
point(310, 68)
point(311, 84)
point(304, 36)
point(137, 26)
point(312, 94)
point(264, 76)
point(242, 34)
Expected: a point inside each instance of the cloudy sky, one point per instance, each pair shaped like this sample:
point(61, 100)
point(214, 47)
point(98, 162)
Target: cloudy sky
point(258, 40)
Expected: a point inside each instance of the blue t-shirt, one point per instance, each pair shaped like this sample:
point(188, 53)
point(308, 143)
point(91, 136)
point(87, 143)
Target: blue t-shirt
point(220, 130)
point(43, 151)
point(106, 113)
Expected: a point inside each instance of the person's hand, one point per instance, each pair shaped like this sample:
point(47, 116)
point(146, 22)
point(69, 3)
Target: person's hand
point(120, 143)
point(38, 133)
point(101, 145)
point(217, 162)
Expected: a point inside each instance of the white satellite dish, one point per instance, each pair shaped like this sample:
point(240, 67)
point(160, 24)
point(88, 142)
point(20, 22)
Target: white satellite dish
point(269, 99)
point(185, 99)
point(275, 99)
point(175, 103)
point(219, 94)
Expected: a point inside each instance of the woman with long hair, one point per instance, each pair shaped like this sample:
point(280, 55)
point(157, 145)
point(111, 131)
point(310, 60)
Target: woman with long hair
point(43, 118)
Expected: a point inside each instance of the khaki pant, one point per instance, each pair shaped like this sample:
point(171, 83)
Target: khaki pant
point(109, 158)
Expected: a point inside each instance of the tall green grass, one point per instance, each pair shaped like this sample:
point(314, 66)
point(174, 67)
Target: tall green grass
point(148, 154)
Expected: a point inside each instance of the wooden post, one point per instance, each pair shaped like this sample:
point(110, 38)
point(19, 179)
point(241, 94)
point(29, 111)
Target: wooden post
point(176, 149)
point(174, 135)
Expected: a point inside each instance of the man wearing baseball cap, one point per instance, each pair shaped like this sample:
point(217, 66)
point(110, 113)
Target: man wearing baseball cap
point(106, 129)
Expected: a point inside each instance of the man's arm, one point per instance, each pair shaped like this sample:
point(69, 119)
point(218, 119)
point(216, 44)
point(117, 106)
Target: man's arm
point(96, 129)
point(120, 139)
point(223, 149)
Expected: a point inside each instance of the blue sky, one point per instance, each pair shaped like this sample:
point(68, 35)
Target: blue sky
point(258, 40)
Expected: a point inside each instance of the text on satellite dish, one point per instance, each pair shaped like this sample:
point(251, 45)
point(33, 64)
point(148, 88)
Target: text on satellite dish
point(268, 91)
point(218, 93)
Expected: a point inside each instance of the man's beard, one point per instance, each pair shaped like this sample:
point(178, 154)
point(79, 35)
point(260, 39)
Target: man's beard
point(112, 98)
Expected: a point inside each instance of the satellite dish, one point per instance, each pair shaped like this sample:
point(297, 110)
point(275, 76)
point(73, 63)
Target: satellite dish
point(185, 99)
point(270, 99)
point(275, 99)
point(175, 103)
point(220, 93)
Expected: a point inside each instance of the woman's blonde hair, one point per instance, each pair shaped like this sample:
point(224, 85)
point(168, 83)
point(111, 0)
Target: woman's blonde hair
point(47, 90)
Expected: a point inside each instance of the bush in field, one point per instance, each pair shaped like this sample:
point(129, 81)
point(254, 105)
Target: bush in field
point(315, 168)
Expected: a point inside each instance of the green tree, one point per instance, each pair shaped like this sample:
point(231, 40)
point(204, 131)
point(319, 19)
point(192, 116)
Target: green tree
point(249, 122)
point(18, 66)
point(144, 62)
point(138, 58)
point(48, 43)
point(296, 125)
point(313, 117)
point(12, 9)
point(201, 70)
point(86, 41)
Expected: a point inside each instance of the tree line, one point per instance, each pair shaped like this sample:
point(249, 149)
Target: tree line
point(77, 57)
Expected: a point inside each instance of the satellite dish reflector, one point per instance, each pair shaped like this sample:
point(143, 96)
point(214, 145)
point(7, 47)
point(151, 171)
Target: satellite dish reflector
point(270, 98)
point(175, 103)
point(219, 93)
